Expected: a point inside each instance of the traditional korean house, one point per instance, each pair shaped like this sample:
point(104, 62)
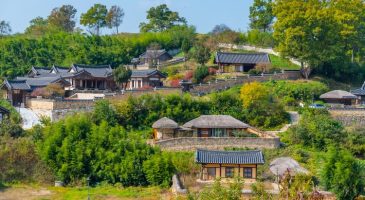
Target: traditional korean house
point(339, 97)
point(228, 164)
point(153, 57)
point(90, 77)
point(4, 113)
point(217, 126)
point(241, 62)
point(164, 128)
point(38, 71)
point(145, 78)
point(18, 89)
point(360, 93)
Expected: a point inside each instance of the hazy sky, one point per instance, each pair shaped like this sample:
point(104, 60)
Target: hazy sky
point(203, 14)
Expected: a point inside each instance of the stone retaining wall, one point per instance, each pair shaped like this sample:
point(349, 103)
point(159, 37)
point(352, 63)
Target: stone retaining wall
point(51, 104)
point(189, 143)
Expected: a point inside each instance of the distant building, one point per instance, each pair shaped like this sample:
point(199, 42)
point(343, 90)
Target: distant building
point(3, 113)
point(228, 164)
point(339, 97)
point(151, 58)
point(145, 79)
point(76, 77)
point(241, 62)
point(204, 126)
point(360, 93)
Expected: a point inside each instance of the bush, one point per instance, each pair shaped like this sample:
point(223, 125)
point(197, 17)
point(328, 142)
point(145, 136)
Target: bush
point(200, 73)
point(188, 75)
point(159, 170)
point(254, 72)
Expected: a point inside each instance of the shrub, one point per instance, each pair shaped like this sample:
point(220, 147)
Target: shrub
point(175, 83)
point(188, 75)
point(159, 170)
point(200, 73)
point(254, 72)
point(212, 71)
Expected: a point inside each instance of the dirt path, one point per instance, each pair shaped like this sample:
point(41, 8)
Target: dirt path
point(24, 193)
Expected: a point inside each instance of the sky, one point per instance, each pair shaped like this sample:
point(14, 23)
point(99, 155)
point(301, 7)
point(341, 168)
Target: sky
point(203, 14)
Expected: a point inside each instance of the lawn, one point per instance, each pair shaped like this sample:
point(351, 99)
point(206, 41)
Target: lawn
point(282, 63)
point(35, 192)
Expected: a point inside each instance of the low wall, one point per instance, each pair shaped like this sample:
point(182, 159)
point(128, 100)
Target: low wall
point(51, 104)
point(349, 117)
point(188, 143)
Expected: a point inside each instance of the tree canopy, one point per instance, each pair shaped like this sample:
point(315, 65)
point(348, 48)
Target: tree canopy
point(63, 17)
point(5, 28)
point(95, 18)
point(114, 17)
point(161, 18)
point(261, 15)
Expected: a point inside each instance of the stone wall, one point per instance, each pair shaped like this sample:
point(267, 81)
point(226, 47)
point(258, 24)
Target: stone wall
point(189, 143)
point(349, 117)
point(51, 104)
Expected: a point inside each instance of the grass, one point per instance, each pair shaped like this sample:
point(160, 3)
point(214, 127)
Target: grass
point(282, 63)
point(106, 192)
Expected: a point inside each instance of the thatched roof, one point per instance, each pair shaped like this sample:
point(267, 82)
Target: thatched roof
point(165, 123)
point(337, 94)
point(215, 121)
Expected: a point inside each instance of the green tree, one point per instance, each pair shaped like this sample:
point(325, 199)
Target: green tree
point(161, 18)
point(104, 111)
point(220, 28)
point(200, 73)
point(201, 54)
point(95, 17)
point(38, 26)
point(261, 15)
point(122, 75)
point(185, 46)
point(159, 170)
point(5, 28)
point(63, 17)
point(114, 18)
point(339, 172)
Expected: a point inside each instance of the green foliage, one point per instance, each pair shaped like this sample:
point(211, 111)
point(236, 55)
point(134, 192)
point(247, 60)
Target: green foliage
point(161, 18)
point(201, 54)
point(218, 192)
point(316, 129)
point(292, 187)
point(159, 170)
point(95, 17)
point(114, 17)
point(261, 15)
point(304, 91)
point(20, 162)
point(261, 108)
point(258, 38)
point(282, 63)
point(5, 28)
point(122, 75)
point(21, 52)
point(63, 18)
point(200, 73)
point(153, 107)
point(342, 174)
point(104, 111)
point(259, 192)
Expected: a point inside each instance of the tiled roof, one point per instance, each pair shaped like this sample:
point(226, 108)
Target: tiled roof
point(229, 157)
point(94, 70)
point(215, 121)
point(40, 81)
point(241, 58)
point(150, 53)
point(40, 70)
point(337, 94)
point(146, 73)
point(17, 84)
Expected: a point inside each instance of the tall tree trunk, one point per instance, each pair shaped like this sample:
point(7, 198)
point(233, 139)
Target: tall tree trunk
point(305, 70)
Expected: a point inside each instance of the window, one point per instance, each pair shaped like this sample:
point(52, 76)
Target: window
point(229, 172)
point(218, 132)
point(247, 172)
point(211, 173)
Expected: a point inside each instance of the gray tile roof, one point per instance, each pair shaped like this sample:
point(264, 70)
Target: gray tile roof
point(337, 94)
point(101, 71)
point(215, 121)
point(146, 73)
point(165, 123)
point(150, 53)
point(40, 70)
point(241, 58)
point(40, 81)
point(229, 157)
point(16, 84)
point(359, 91)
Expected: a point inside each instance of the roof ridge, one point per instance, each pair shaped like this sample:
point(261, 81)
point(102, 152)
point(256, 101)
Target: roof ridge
point(239, 151)
point(243, 53)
